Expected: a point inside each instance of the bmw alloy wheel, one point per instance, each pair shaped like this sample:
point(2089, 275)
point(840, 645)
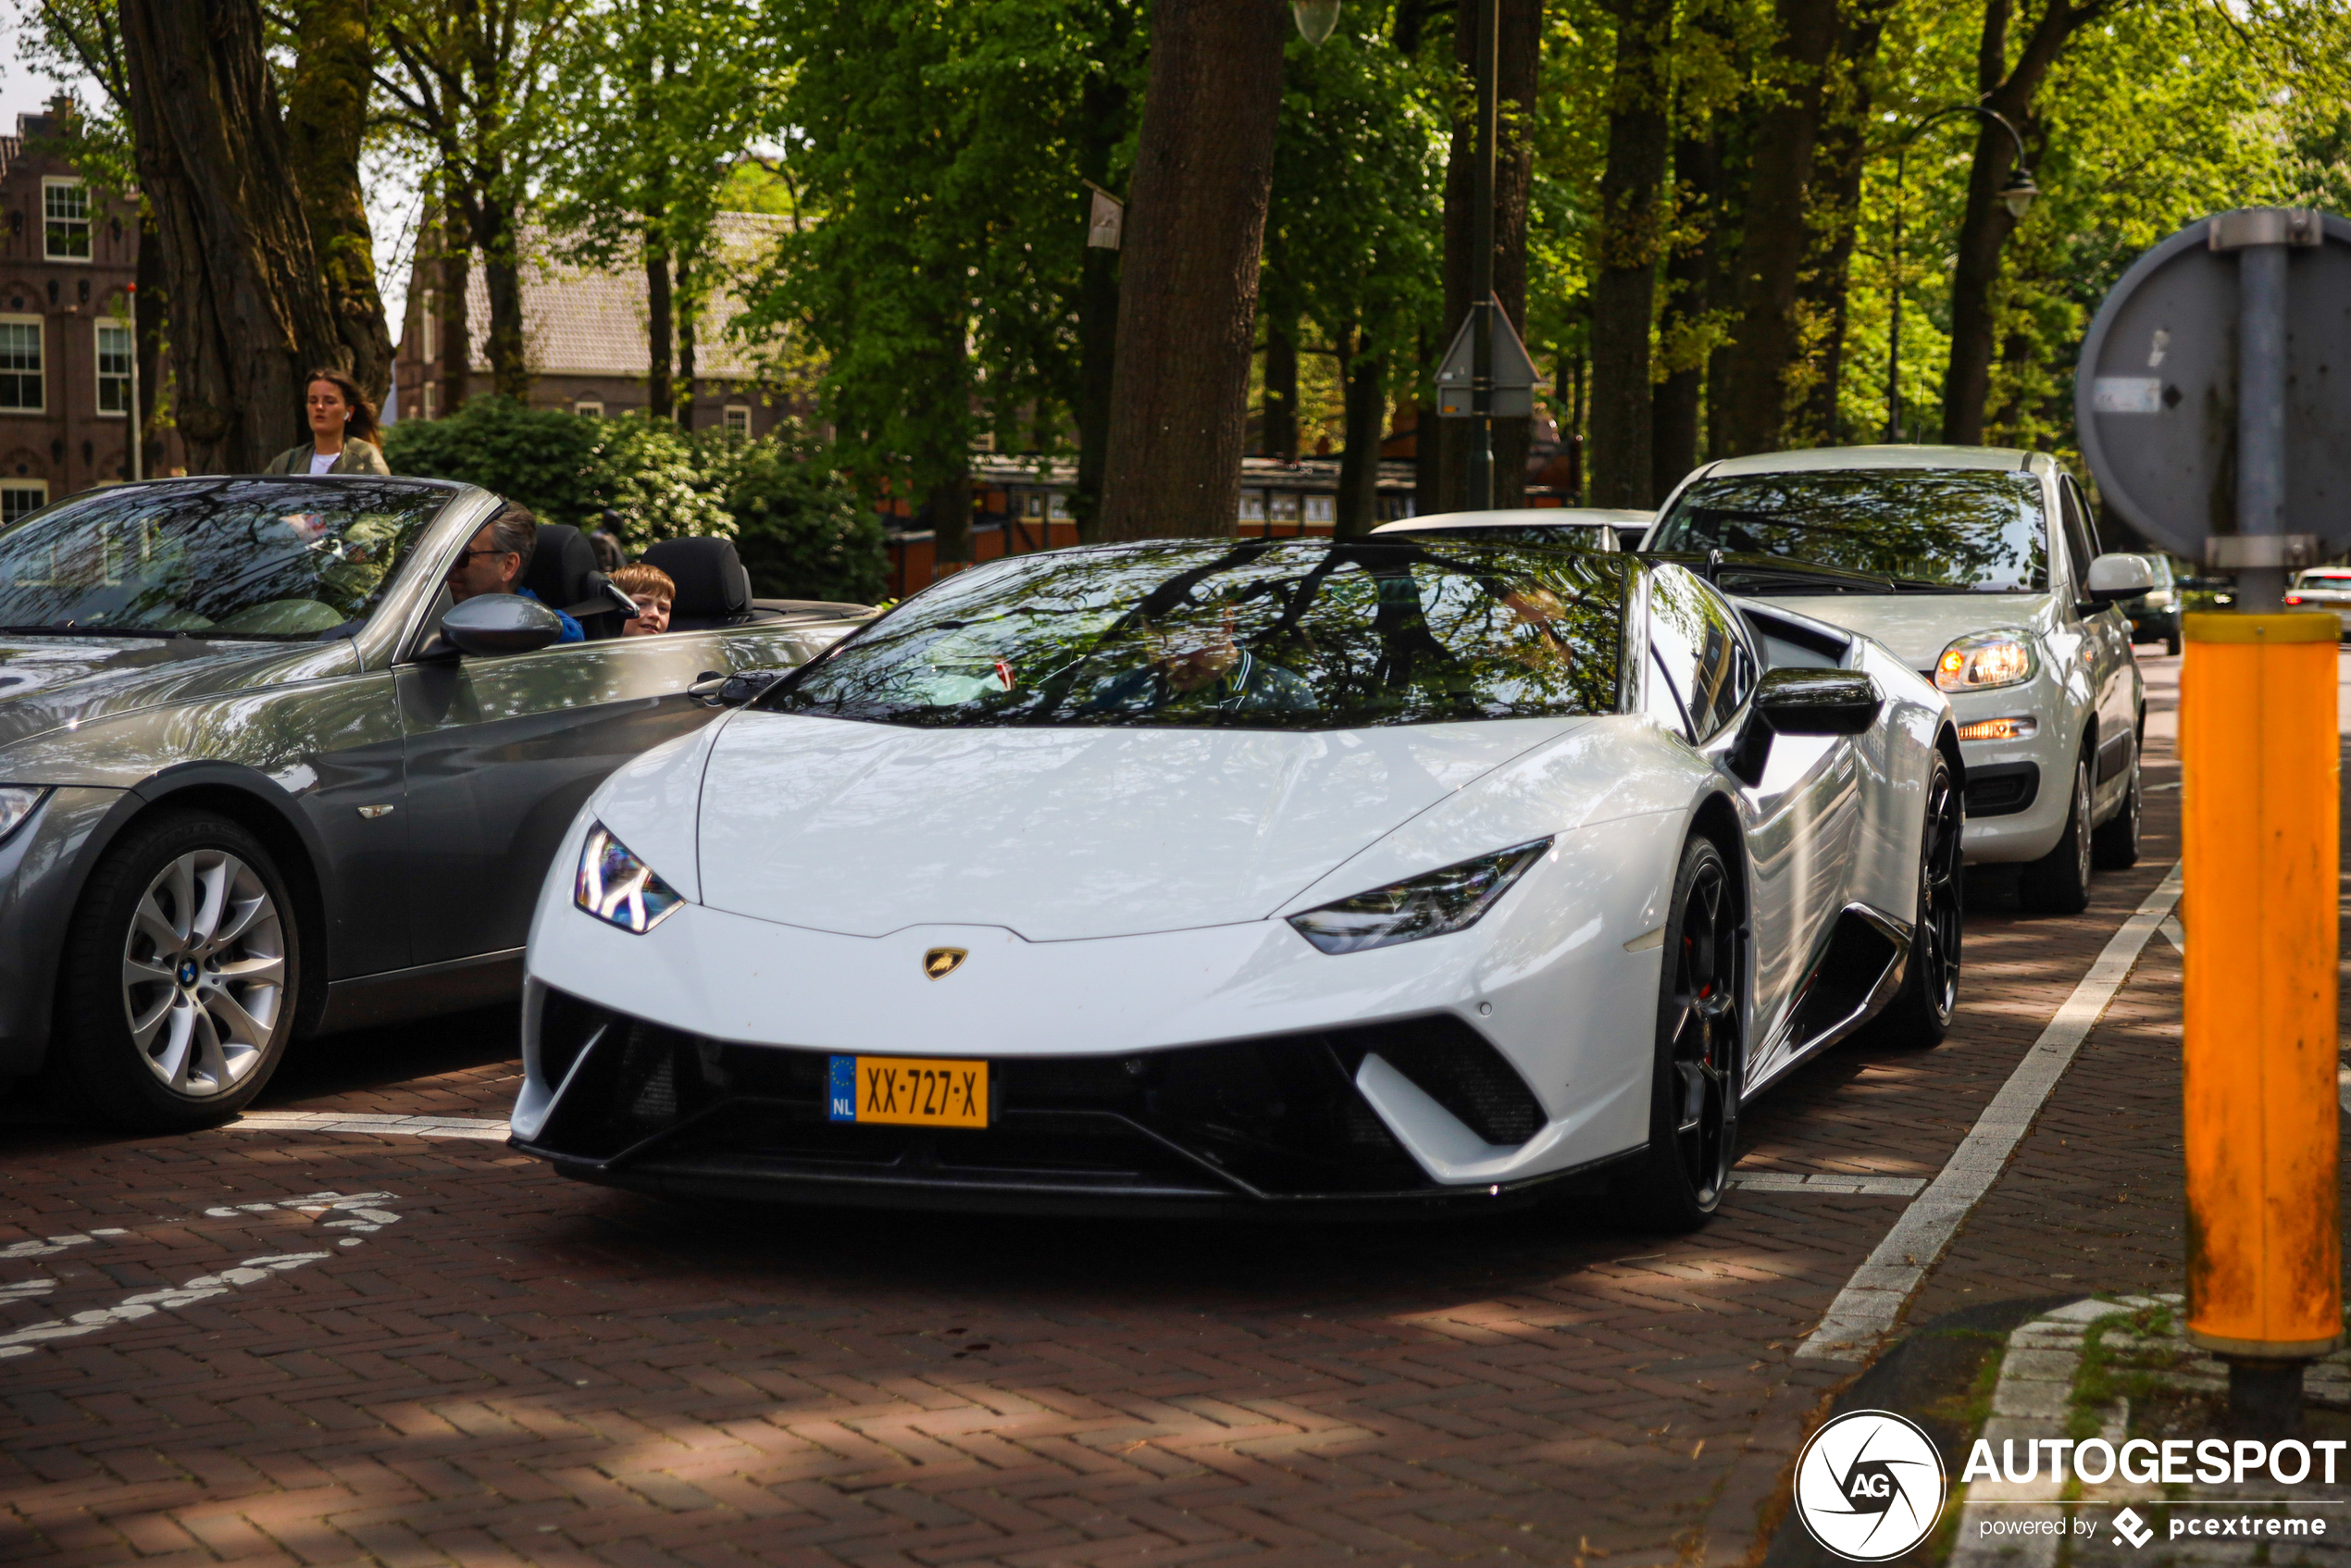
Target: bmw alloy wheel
point(204, 973)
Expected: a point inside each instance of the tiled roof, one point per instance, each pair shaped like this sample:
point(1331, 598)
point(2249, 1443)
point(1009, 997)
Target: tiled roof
point(591, 321)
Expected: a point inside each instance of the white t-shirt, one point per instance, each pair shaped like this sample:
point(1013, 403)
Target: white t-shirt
point(322, 461)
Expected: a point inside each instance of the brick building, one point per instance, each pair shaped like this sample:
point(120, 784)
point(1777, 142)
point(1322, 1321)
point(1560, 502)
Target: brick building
point(584, 336)
point(67, 253)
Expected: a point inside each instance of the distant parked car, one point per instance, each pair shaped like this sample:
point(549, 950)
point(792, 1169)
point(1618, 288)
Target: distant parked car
point(1582, 527)
point(259, 779)
point(2324, 588)
point(2155, 615)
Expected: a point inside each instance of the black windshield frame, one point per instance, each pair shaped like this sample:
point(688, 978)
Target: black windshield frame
point(152, 560)
point(1095, 674)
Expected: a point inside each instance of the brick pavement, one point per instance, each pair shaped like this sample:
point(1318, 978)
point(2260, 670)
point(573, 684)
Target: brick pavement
point(524, 1370)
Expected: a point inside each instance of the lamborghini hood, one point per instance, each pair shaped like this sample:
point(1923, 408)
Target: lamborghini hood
point(1059, 833)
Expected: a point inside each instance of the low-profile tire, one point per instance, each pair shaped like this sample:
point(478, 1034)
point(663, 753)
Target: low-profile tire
point(2058, 883)
point(182, 969)
point(1694, 1087)
point(2115, 845)
point(1919, 1014)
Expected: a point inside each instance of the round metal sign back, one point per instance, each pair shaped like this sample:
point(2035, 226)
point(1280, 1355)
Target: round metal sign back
point(2155, 396)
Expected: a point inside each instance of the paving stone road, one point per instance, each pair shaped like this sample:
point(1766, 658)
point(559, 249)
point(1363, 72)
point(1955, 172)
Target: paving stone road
point(512, 1368)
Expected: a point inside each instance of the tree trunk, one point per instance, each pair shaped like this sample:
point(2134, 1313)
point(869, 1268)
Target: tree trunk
point(150, 321)
point(1102, 113)
point(1428, 475)
point(1187, 300)
point(1279, 430)
point(1752, 393)
point(942, 471)
point(1570, 382)
point(249, 306)
point(683, 392)
point(325, 112)
point(1629, 242)
point(1986, 225)
point(1365, 395)
point(1518, 59)
point(660, 401)
point(1689, 293)
point(456, 311)
point(1837, 162)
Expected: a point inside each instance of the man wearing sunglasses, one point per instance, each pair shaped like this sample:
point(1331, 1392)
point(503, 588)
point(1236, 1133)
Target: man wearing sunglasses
point(493, 560)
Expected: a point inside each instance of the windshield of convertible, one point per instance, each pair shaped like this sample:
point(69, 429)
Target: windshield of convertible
point(229, 557)
point(1271, 634)
point(1970, 529)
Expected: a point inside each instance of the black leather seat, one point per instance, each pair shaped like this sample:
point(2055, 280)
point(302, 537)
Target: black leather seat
point(562, 572)
point(714, 590)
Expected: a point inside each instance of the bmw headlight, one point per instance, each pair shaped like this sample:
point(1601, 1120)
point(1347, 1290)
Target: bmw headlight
point(615, 886)
point(16, 802)
point(1428, 905)
point(1983, 660)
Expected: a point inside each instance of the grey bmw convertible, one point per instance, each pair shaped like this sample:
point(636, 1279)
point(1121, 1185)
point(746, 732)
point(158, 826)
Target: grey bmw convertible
point(260, 780)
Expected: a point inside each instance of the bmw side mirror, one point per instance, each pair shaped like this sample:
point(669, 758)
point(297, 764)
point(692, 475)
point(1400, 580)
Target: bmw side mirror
point(493, 624)
point(2116, 578)
point(1802, 702)
point(732, 691)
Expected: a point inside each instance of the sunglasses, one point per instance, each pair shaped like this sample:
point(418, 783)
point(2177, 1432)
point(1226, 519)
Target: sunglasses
point(466, 555)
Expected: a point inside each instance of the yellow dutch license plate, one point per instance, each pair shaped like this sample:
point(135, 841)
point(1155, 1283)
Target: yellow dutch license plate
point(920, 1091)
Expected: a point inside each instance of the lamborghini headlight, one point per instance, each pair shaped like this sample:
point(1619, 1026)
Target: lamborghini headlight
point(617, 888)
point(1983, 660)
point(1428, 905)
point(16, 802)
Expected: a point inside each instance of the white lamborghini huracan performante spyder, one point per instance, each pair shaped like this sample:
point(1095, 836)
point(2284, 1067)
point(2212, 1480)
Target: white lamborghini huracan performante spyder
point(1204, 874)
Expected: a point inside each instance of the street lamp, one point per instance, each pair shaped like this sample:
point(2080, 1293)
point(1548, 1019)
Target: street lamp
point(1315, 19)
point(2016, 195)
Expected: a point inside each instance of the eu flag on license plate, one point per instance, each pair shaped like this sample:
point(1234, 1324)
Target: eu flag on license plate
point(841, 1098)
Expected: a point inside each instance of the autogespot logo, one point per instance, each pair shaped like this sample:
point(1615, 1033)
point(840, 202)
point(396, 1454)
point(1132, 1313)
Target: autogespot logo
point(1869, 1486)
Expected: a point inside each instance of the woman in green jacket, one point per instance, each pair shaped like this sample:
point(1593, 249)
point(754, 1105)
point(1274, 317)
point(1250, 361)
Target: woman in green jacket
point(343, 431)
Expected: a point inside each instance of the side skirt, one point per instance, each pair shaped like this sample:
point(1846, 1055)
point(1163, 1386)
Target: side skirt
point(397, 995)
point(1859, 966)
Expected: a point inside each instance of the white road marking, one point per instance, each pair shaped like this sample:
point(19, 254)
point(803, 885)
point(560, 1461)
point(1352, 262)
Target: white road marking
point(348, 1121)
point(1862, 1186)
point(361, 1211)
point(2175, 933)
point(2343, 1087)
point(1864, 1312)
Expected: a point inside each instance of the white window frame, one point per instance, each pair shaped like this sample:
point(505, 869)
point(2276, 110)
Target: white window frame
point(427, 328)
point(432, 399)
point(1322, 509)
point(98, 331)
point(41, 373)
point(728, 415)
point(89, 225)
point(588, 407)
point(38, 488)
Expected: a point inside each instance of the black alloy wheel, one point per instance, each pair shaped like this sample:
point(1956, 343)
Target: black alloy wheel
point(1700, 1039)
point(1919, 1014)
point(2058, 883)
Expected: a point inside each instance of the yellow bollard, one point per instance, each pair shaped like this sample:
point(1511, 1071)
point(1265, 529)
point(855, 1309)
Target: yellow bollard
point(2259, 756)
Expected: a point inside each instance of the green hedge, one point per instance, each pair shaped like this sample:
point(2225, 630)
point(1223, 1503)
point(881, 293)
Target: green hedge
point(799, 527)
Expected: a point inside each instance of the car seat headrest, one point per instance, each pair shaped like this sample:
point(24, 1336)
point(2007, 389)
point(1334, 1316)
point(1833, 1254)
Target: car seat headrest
point(713, 587)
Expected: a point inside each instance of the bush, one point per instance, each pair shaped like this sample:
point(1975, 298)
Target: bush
point(800, 528)
point(801, 531)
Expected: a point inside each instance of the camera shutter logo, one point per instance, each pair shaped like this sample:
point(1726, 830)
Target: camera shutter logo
point(1870, 1485)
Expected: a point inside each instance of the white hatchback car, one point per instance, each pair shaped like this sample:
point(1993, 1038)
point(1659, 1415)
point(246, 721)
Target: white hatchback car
point(1978, 567)
point(2324, 588)
point(1586, 528)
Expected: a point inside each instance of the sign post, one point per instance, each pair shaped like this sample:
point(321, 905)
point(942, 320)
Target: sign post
point(2209, 411)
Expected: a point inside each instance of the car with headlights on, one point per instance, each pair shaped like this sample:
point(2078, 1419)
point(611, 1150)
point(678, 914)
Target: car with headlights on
point(2324, 588)
point(259, 779)
point(1268, 875)
point(1580, 527)
point(1980, 568)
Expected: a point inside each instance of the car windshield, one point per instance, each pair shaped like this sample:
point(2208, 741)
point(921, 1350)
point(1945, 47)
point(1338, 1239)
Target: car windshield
point(1558, 536)
point(282, 559)
point(1977, 529)
point(1257, 634)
